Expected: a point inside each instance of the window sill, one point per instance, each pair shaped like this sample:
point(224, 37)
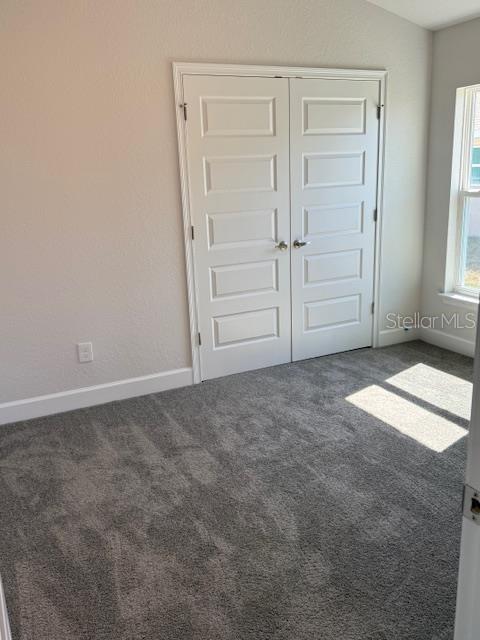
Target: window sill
point(460, 300)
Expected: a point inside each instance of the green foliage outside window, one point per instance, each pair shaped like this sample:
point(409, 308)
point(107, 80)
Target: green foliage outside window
point(475, 178)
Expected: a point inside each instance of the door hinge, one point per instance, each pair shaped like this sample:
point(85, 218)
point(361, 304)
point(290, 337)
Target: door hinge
point(193, 232)
point(373, 307)
point(375, 215)
point(471, 504)
point(184, 107)
point(199, 339)
point(379, 111)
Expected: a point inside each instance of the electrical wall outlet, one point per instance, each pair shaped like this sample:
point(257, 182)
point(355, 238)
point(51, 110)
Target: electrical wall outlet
point(85, 351)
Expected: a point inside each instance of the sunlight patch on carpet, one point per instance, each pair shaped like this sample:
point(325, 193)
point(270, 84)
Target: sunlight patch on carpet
point(443, 390)
point(425, 427)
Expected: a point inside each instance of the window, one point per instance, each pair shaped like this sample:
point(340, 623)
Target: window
point(468, 245)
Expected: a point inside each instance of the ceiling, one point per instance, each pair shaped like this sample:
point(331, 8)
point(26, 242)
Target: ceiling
point(432, 14)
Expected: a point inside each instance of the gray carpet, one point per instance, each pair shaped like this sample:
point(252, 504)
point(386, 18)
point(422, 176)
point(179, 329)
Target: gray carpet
point(258, 506)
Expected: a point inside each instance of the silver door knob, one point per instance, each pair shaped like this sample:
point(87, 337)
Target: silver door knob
point(282, 245)
point(299, 243)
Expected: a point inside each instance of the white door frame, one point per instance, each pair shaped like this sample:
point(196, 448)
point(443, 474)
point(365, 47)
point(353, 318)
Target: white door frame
point(4, 623)
point(467, 615)
point(181, 69)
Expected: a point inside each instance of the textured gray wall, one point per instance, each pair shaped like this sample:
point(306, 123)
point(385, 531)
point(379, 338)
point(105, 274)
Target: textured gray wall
point(91, 240)
point(455, 64)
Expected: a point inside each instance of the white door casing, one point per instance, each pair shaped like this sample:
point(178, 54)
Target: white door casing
point(334, 158)
point(5, 633)
point(467, 622)
point(238, 167)
point(184, 70)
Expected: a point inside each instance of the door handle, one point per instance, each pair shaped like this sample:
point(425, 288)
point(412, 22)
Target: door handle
point(299, 243)
point(282, 245)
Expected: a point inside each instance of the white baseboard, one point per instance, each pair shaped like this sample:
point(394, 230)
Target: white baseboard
point(448, 341)
point(89, 396)
point(4, 623)
point(388, 337)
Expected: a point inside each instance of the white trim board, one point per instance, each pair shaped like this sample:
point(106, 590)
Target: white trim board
point(4, 623)
point(272, 71)
point(89, 396)
point(181, 69)
point(448, 341)
point(388, 337)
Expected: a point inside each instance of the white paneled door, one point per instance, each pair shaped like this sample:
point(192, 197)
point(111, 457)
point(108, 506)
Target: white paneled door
point(334, 157)
point(282, 177)
point(238, 166)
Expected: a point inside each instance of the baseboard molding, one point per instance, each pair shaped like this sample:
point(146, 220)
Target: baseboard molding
point(5, 633)
point(448, 341)
point(388, 337)
point(90, 396)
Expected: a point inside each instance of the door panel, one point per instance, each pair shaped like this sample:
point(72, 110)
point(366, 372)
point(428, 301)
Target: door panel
point(230, 174)
point(331, 220)
point(334, 152)
point(244, 279)
point(333, 115)
point(332, 313)
point(238, 165)
point(242, 228)
point(333, 170)
point(328, 267)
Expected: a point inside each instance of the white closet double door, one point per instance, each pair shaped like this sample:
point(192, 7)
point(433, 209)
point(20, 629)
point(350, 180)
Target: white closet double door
point(282, 185)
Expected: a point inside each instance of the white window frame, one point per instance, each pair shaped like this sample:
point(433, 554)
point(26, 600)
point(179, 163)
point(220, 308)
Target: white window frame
point(462, 190)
